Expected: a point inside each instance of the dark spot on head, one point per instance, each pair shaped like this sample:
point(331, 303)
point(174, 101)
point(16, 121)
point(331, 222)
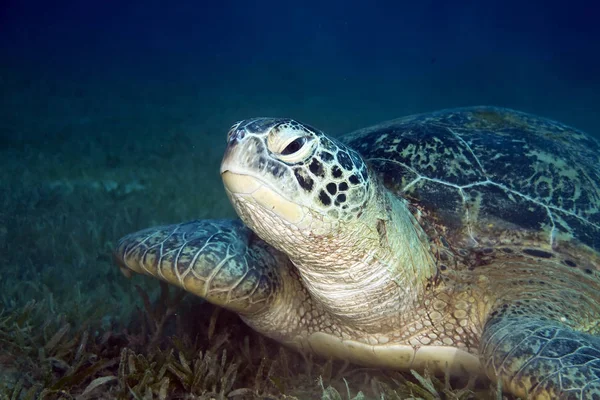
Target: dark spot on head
point(261, 162)
point(488, 250)
point(341, 198)
point(343, 186)
point(326, 156)
point(507, 250)
point(316, 168)
point(570, 263)
point(588, 271)
point(331, 188)
point(336, 172)
point(354, 179)
point(324, 198)
point(537, 253)
point(344, 161)
point(327, 144)
point(305, 182)
point(277, 171)
point(443, 267)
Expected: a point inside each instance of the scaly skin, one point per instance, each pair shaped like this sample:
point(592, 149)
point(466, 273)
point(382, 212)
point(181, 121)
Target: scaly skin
point(221, 261)
point(539, 337)
point(541, 359)
point(357, 272)
point(225, 263)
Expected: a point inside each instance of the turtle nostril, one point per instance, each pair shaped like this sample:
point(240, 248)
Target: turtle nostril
point(236, 135)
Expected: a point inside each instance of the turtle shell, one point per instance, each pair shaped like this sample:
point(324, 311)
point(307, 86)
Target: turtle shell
point(488, 177)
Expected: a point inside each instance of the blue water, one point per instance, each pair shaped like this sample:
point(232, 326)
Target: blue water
point(340, 65)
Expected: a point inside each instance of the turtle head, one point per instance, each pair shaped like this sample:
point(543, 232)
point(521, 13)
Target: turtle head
point(290, 183)
point(354, 243)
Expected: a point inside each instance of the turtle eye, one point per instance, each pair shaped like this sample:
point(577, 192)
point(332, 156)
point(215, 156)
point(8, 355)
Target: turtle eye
point(291, 142)
point(294, 146)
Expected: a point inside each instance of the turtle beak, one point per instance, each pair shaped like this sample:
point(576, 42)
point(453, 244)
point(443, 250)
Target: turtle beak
point(241, 160)
point(231, 151)
point(241, 181)
point(236, 166)
point(241, 152)
point(260, 193)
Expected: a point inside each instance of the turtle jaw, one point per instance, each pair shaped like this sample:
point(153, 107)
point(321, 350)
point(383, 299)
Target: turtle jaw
point(256, 190)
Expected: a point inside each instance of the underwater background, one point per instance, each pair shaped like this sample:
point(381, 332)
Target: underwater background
point(113, 118)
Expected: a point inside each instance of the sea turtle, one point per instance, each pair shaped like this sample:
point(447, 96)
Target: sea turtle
point(467, 240)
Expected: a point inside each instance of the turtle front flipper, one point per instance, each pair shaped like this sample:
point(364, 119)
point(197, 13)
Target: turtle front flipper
point(221, 261)
point(540, 358)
